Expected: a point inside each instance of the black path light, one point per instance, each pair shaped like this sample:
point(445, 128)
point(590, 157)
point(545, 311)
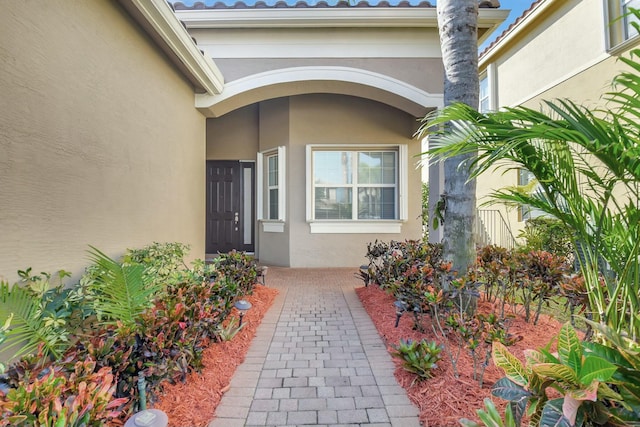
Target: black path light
point(242, 306)
point(401, 307)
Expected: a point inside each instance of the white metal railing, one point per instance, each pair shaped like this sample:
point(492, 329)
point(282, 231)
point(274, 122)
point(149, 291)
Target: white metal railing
point(492, 229)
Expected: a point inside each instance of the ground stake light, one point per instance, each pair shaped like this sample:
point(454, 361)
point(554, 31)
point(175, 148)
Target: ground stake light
point(401, 307)
point(242, 306)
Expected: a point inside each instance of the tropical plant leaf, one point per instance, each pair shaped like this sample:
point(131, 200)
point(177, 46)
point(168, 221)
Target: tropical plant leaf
point(506, 389)
point(570, 407)
point(123, 292)
point(587, 393)
point(27, 330)
point(552, 415)
point(596, 368)
point(557, 372)
point(569, 348)
point(512, 367)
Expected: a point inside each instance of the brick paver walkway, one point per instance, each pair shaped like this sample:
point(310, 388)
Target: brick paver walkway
point(317, 359)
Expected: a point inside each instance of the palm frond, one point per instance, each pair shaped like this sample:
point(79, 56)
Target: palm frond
point(123, 292)
point(27, 329)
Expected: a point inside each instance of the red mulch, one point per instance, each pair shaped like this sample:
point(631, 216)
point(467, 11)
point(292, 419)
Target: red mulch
point(444, 399)
point(194, 402)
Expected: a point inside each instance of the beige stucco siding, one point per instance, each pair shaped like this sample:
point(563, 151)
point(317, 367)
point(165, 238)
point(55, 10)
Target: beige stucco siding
point(234, 136)
point(414, 71)
point(100, 143)
point(326, 119)
point(571, 39)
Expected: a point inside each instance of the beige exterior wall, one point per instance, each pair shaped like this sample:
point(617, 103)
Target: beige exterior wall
point(275, 123)
point(409, 70)
point(558, 48)
point(295, 122)
point(100, 143)
point(234, 136)
point(326, 119)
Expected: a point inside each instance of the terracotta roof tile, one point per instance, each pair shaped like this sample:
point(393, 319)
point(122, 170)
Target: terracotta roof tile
point(512, 26)
point(261, 4)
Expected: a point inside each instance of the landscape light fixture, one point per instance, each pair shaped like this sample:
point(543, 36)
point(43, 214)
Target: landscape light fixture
point(242, 306)
point(401, 307)
point(148, 418)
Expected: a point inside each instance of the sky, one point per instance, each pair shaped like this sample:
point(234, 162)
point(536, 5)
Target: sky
point(516, 7)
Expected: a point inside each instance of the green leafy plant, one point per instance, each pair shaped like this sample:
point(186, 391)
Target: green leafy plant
point(163, 262)
point(228, 331)
point(490, 417)
point(587, 165)
point(54, 396)
point(624, 353)
point(580, 377)
point(121, 292)
point(419, 357)
point(28, 325)
point(546, 234)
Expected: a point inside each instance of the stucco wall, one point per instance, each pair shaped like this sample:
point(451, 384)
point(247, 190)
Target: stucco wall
point(100, 143)
point(328, 119)
point(274, 248)
point(234, 136)
point(552, 52)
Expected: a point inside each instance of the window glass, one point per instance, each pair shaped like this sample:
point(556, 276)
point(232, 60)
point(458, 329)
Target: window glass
point(629, 18)
point(484, 95)
point(272, 187)
point(355, 185)
point(332, 167)
point(333, 203)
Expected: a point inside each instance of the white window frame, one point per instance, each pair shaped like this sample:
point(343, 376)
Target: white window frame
point(333, 226)
point(491, 93)
point(271, 225)
point(484, 96)
point(617, 35)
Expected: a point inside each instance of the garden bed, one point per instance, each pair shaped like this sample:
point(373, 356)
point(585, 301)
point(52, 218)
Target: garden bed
point(193, 403)
point(444, 399)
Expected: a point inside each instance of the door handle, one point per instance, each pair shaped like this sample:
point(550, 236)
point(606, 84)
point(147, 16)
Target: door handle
point(236, 217)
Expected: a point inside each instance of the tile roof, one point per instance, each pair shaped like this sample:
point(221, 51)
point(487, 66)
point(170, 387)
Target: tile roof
point(261, 4)
point(514, 24)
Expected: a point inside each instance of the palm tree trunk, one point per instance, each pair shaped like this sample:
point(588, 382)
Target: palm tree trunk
point(458, 25)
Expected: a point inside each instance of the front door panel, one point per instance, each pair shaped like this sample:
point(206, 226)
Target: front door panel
point(226, 219)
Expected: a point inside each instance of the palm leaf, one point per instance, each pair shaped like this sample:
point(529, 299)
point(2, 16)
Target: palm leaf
point(123, 292)
point(27, 330)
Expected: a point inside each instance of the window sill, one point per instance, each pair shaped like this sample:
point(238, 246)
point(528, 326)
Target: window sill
point(623, 46)
point(273, 226)
point(355, 227)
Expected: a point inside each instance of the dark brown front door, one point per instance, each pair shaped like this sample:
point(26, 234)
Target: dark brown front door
point(229, 206)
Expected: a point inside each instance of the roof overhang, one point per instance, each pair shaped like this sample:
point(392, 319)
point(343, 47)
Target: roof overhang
point(520, 28)
point(157, 18)
point(357, 17)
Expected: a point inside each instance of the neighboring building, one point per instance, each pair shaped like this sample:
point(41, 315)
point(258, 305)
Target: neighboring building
point(116, 131)
point(558, 49)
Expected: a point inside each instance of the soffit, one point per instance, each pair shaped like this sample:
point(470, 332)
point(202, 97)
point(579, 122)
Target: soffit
point(157, 18)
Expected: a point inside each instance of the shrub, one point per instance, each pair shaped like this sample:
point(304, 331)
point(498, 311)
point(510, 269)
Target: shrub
point(546, 234)
point(69, 395)
point(418, 357)
point(147, 316)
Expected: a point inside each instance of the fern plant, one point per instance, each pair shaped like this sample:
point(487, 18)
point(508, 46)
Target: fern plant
point(418, 357)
